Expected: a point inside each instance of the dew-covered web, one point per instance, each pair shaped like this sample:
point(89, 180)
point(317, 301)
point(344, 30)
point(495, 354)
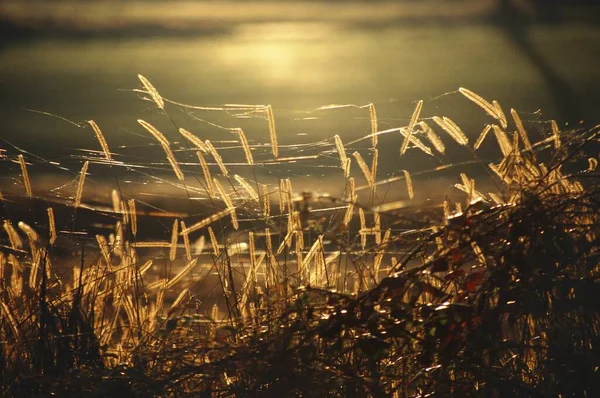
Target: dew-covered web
point(213, 203)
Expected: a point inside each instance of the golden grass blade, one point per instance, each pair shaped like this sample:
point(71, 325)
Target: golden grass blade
point(184, 271)
point(409, 184)
point(364, 168)
point(272, 131)
point(282, 197)
point(51, 226)
point(145, 267)
point(166, 146)
point(555, 134)
point(217, 157)
point(207, 221)
point(411, 125)
point(311, 252)
point(452, 129)
point(162, 140)
point(173, 162)
point(197, 142)
point(373, 121)
point(158, 100)
point(246, 146)
point(342, 154)
point(482, 136)
point(435, 140)
point(214, 242)
point(210, 190)
point(247, 187)
point(174, 236)
point(503, 141)
point(101, 139)
point(25, 175)
point(363, 227)
point(79, 192)
point(521, 130)
point(186, 243)
point(223, 194)
point(374, 164)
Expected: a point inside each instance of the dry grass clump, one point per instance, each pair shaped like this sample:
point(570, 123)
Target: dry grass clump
point(494, 296)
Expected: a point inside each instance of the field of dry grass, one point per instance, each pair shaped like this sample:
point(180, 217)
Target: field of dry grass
point(267, 291)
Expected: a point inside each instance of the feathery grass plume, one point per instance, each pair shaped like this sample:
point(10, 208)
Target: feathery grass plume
point(104, 249)
point(491, 109)
point(266, 202)
point(151, 244)
point(452, 129)
point(145, 267)
point(592, 164)
point(174, 236)
point(351, 190)
point(183, 296)
point(364, 168)
point(166, 146)
point(207, 221)
point(210, 190)
point(521, 130)
point(158, 100)
point(223, 194)
point(25, 175)
point(288, 192)
point(51, 226)
point(247, 187)
point(416, 142)
point(116, 201)
point(344, 161)
point(374, 164)
point(496, 198)
point(435, 140)
point(79, 192)
point(351, 200)
point(184, 271)
point(101, 139)
point(409, 184)
point(363, 227)
point(555, 133)
point(197, 142)
point(411, 126)
point(282, 197)
point(14, 326)
point(272, 131)
point(380, 253)
point(482, 136)
point(447, 211)
point(373, 121)
point(503, 141)
point(214, 243)
point(218, 159)
point(132, 216)
point(377, 227)
point(186, 243)
point(245, 146)
point(501, 116)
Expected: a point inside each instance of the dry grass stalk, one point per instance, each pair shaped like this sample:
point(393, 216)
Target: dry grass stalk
point(14, 326)
point(247, 187)
point(217, 157)
point(101, 139)
point(51, 226)
point(452, 129)
point(521, 130)
point(214, 243)
point(210, 190)
point(133, 216)
point(380, 253)
point(364, 168)
point(409, 184)
point(491, 109)
point(373, 122)
point(503, 141)
point(272, 131)
point(186, 243)
point(282, 197)
point(555, 134)
point(174, 236)
point(197, 142)
point(435, 140)
point(411, 125)
point(184, 271)
point(166, 146)
point(158, 100)
point(482, 136)
point(151, 244)
point(79, 192)
point(245, 146)
point(25, 175)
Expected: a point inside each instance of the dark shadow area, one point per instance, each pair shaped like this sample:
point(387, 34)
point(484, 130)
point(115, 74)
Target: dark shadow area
point(515, 25)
